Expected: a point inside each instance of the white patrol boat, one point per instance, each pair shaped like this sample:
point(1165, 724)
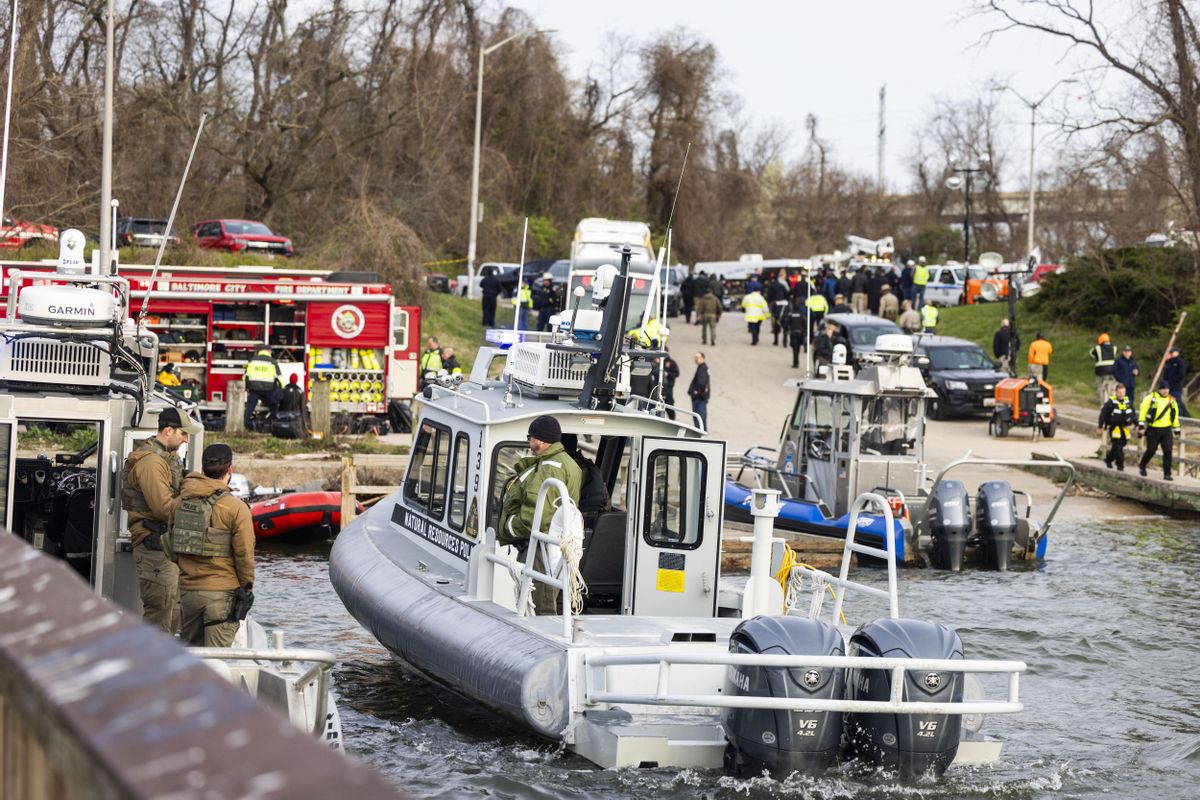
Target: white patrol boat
point(864, 431)
point(76, 397)
point(655, 658)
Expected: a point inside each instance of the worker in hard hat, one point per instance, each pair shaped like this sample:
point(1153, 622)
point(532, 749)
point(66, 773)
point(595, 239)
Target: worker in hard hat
point(1104, 355)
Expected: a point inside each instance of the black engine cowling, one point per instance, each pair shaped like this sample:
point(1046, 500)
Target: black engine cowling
point(996, 523)
point(909, 744)
point(949, 519)
point(783, 742)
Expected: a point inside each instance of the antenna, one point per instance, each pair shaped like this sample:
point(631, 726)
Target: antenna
point(162, 245)
point(678, 185)
point(520, 280)
point(882, 134)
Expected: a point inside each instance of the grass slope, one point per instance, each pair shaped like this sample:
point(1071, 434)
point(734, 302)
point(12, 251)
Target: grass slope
point(456, 321)
point(1071, 369)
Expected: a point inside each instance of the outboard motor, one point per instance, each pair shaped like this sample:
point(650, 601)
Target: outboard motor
point(783, 742)
point(949, 518)
point(910, 744)
point(996, 523)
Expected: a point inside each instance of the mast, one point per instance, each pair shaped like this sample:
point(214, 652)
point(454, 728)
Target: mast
point(105, 265)
point(600, 386)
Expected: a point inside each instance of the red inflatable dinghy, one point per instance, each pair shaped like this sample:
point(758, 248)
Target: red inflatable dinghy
point(299, 512)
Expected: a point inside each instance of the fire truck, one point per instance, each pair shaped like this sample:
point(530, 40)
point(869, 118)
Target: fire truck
point(343, 327)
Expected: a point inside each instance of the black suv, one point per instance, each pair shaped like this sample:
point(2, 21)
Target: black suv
point(961, 373)
point(861, 331)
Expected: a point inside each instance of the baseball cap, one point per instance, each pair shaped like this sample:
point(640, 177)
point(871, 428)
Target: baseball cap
point(171, 418)
point(217, 455)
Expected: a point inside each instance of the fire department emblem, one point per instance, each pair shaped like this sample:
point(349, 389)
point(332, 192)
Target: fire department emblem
point(348, 321)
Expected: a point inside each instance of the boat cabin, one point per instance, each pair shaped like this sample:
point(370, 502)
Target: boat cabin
point(76, 397)
point(848, 435)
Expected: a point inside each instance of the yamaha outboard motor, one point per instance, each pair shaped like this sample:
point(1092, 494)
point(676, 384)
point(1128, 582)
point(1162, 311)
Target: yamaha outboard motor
point(910, 744)
point(783, 742)
point(949, 520)
point(996, 523)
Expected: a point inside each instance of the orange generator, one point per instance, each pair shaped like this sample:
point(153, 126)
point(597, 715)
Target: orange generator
point(1023, 402)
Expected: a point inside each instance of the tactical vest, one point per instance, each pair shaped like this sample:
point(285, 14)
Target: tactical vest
point(1104, 355)
point(192, 532)
point(132, 498)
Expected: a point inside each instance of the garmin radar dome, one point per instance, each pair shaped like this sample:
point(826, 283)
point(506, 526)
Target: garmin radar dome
point(67, 306)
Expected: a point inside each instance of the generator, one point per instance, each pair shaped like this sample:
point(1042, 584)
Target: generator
point(1023, 403)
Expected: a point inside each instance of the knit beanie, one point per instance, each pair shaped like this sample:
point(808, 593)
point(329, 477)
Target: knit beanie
point(546, 429)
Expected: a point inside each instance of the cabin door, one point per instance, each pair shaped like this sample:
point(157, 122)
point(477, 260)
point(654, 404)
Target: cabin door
point(675, 528)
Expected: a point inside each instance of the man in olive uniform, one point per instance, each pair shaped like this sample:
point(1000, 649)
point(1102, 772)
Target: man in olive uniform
point(548, 460)
point(708, 313)
point(264, 383)
point(149, 483)
point(212, 537)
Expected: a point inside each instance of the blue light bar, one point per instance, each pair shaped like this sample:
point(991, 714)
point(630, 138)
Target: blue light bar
point(505, 337)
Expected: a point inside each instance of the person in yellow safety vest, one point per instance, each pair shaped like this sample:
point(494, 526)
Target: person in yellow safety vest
point(449, 362)
point(523, 300)
point(1158, 420)
point(1105, 355)
point(920, 279)
point(755, 310)
point(929, 317)
point(1116, 417)
point(264, 383)
point(649, 336)
point(167, 376)
point(431, 360)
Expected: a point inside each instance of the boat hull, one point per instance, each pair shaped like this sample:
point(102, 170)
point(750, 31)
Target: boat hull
point(457, 644)
point(804, 516)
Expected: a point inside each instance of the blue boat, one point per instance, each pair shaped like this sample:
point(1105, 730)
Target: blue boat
point(807, 516)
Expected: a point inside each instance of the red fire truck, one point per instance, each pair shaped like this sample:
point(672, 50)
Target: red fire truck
point(346, 328)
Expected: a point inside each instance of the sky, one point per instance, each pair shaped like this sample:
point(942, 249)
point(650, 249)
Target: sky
point(789, 59)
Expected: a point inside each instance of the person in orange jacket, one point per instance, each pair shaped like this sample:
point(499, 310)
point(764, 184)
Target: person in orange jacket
point(1039, 357)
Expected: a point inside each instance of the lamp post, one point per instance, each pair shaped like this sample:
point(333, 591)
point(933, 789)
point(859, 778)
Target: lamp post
point(1033, 107)
point(483, 51)
point(961, 179)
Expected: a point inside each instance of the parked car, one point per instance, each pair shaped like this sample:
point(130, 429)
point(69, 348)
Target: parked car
point(675, 277)
point(507, 273)
point(963, 376)
point(241, 236)
point(143, 232)
point(15, 234)
point(947, 284)
point(861, 331)
point(437, 282)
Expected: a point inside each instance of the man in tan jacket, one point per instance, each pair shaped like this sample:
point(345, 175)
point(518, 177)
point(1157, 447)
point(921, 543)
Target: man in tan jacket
point(149, 484)
point(212, 537)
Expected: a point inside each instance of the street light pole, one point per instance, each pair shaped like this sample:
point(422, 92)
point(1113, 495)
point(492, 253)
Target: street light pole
point(954, 183)
point(1033, 107)
point(472, 236)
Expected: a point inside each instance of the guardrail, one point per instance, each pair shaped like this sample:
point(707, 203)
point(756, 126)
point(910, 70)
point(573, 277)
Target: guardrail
point(596, 665)
point(96, 704)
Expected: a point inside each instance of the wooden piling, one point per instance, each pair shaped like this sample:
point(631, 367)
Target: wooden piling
point(322, 418)
point(235, 406)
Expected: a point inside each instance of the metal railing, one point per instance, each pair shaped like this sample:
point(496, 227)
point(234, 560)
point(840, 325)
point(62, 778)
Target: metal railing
point(597, 664)
point(651, 403)
point(538, 541)
point(1057, 463)
point(321, 662)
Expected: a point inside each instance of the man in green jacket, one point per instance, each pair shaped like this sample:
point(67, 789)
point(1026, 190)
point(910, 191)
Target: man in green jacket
point(548, 460)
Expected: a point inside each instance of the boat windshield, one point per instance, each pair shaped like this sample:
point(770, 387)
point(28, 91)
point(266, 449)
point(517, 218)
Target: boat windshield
point(889, 426)
point(958, 357)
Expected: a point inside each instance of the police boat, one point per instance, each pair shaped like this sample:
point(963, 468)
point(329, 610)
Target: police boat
point(76, 397)
point(651, 657)
point(853, 432)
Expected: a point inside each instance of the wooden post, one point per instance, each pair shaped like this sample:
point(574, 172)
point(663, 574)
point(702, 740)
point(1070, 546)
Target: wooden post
point(1162, 362)
point(322, 419)
point(235, 406)
point(348, 481)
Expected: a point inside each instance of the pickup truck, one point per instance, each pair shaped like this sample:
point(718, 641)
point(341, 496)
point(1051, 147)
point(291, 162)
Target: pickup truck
point(507, 273)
